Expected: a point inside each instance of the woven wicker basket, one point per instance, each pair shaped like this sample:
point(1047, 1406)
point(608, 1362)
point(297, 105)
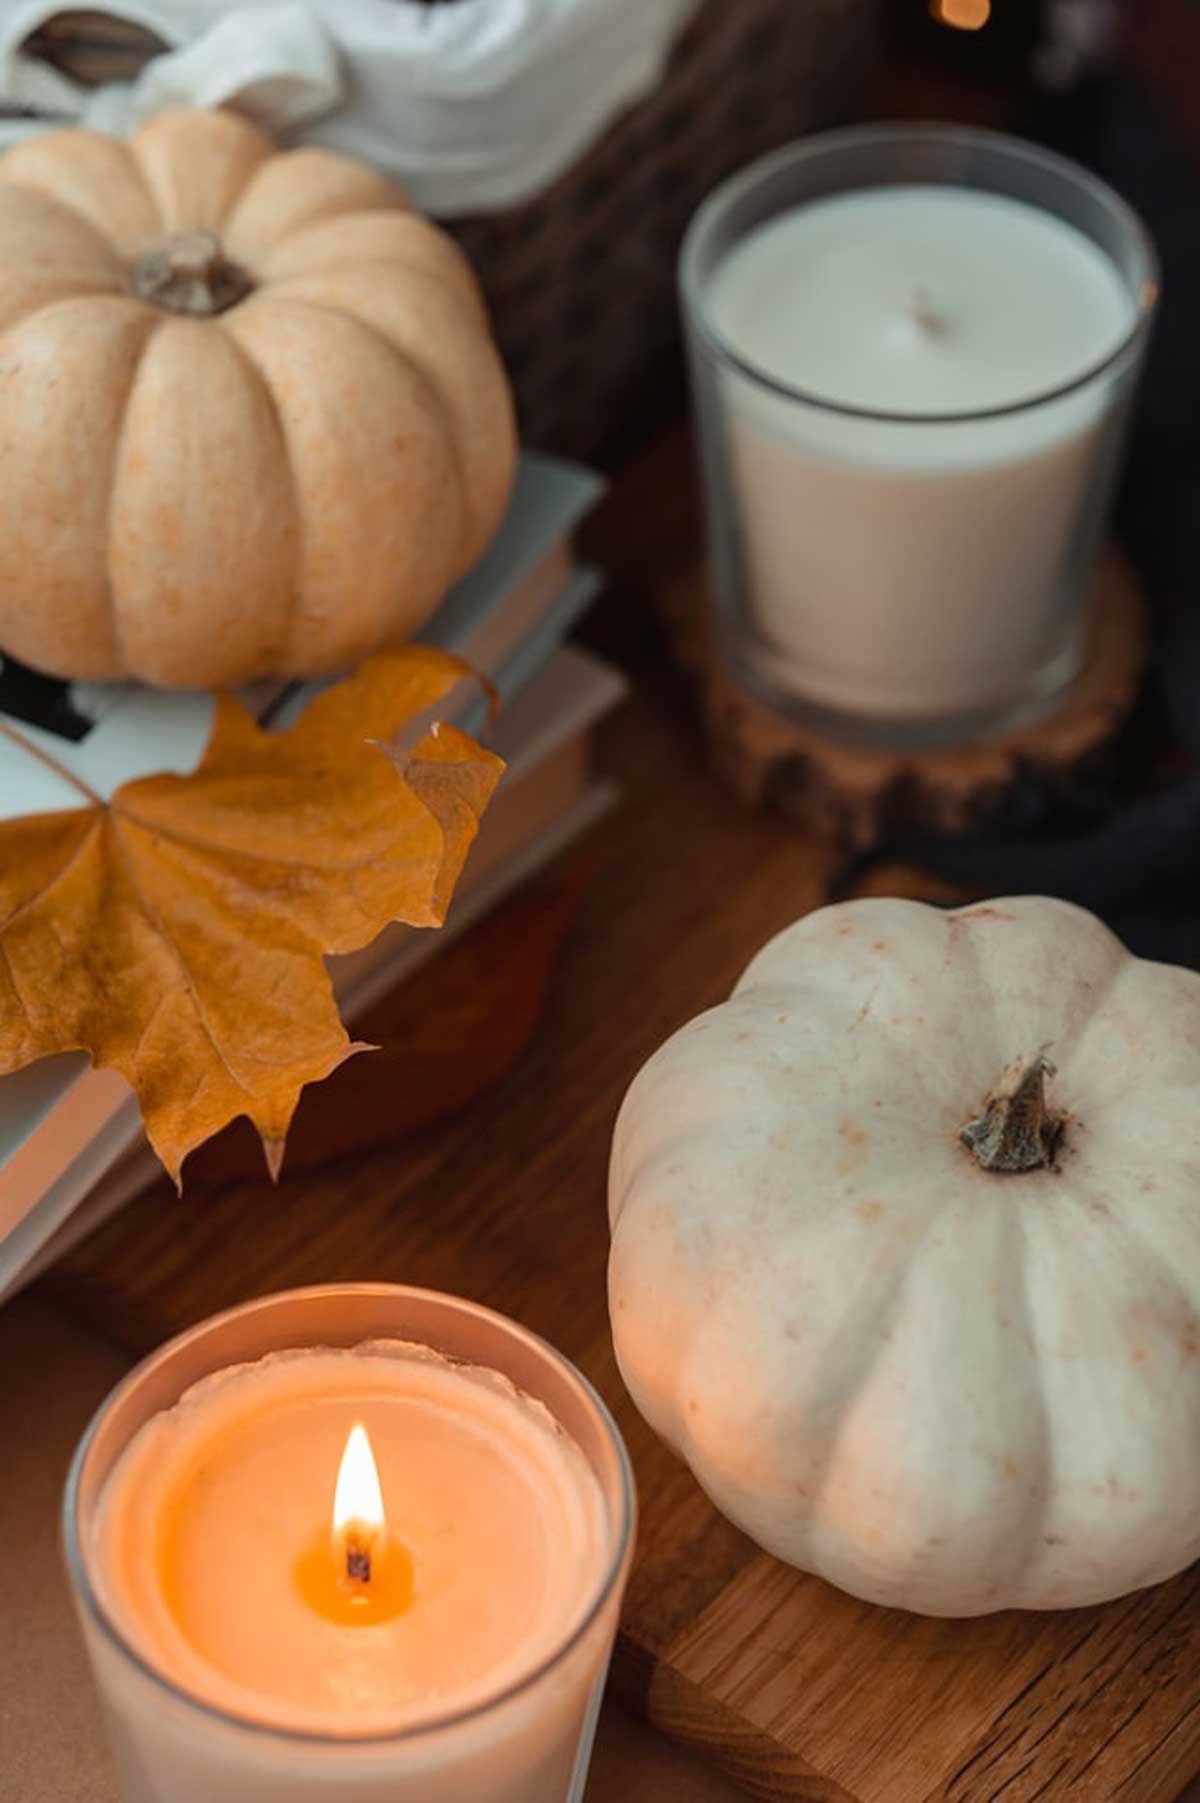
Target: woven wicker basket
point(582, 280)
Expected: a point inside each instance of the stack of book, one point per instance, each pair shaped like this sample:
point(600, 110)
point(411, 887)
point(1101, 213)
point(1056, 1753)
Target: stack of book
point(71, 1147)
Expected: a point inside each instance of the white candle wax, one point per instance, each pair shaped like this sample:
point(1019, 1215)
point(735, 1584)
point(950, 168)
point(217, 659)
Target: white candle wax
point(221, 1503)
point(918, 567)
point(271, 1669)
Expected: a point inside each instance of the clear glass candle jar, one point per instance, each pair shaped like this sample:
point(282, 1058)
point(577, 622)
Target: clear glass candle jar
point(528, 1743)
point(913, 351)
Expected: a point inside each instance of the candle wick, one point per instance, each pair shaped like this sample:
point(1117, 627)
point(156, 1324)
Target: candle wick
point(358, 1561)
point(926, 314)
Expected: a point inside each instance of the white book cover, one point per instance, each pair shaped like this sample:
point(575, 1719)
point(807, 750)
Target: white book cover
point(112, 734)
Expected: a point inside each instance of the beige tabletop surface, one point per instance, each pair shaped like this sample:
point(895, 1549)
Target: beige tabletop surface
point(52, 1748)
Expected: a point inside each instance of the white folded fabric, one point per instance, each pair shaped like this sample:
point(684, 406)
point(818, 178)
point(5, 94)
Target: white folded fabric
point(473, 106)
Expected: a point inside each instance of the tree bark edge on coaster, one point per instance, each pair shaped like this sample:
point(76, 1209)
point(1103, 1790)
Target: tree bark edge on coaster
point(858, 796)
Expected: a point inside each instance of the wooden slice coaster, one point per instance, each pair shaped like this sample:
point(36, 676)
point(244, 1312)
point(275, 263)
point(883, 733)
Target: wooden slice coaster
point(857, 796)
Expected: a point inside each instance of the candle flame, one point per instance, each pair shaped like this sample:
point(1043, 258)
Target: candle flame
point(358, 1499)
point(358, 1517)
point(362, 1574)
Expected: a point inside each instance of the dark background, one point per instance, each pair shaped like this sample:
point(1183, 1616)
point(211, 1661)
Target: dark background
point(1115, 84)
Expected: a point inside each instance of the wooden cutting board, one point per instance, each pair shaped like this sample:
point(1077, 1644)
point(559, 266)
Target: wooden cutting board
point(803, 1693)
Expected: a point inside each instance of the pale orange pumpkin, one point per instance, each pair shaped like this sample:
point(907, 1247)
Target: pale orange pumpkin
point(252, 420)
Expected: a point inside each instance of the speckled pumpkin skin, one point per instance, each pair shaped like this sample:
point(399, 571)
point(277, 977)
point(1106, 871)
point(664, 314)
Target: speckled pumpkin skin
point(277, 489)
point(943, 1389)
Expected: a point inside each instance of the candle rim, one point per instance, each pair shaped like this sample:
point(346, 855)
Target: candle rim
point(693, 283)
point(614, 1565)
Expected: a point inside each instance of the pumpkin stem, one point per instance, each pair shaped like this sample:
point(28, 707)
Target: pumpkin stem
point(190, 273)
point(1016, 1132)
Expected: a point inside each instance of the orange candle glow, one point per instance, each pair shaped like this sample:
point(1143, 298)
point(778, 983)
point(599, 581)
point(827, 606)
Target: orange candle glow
point(358, 1518)
point(359, 1574)
point(246, 1541)
point(321, 1561)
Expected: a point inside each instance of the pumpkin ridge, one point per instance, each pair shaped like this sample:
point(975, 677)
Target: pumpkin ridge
point(451, 271)
point(962, 964)
point(1080, 920)
point(332, 210)
point(430, 379)
point(415, 227)
point(1015, 1234)
point(15, 321)
point(332, 207)
point(431, 389)
point(481, 508)
point(90, 230)
point(849, 1363)
point(213, 136)
point(120, 297)
point(339, 612)
point(90, 175)
point(1151, 1262)
point(281, 655)
point(112, 611)
point(446, 292)
point(819, 992)
point(223, 216)
point(1023, 1511)
point(1120, 970)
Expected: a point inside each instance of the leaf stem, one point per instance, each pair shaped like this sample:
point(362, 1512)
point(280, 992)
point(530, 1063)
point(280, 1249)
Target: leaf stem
point(51, 763)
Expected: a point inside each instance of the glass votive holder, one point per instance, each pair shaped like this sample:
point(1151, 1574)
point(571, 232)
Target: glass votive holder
point(913, 350)
point(529, 1741)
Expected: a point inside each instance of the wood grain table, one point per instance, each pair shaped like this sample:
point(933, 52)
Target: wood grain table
point(506, 1203)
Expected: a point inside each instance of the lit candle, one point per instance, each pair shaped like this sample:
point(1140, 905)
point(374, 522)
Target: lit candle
point(364, 1575)
point(359, 1544)
point(916, 403)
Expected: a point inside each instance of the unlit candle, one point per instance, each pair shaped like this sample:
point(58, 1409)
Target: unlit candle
point(909, 491)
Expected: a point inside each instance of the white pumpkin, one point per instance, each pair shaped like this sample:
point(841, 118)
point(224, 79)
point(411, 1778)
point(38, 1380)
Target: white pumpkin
point(943, 1387)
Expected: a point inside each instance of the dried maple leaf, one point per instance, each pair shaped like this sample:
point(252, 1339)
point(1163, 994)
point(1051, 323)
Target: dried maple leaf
point(176, 932)
point(446, 1035)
